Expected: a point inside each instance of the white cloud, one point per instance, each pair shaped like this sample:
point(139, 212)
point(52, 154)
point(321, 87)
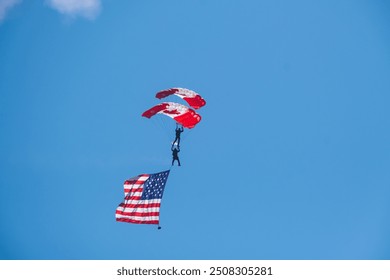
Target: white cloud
point(5, 5)
point(86, 8)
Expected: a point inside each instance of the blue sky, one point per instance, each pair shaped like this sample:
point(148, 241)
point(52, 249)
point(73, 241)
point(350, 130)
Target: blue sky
point(290, 161)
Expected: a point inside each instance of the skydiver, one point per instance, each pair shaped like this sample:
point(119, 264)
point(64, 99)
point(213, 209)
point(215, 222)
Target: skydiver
point(175, 151)
point(178, 131)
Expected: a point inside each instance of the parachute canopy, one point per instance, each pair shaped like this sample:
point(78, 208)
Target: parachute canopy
point(180, 113)
point(191, 97)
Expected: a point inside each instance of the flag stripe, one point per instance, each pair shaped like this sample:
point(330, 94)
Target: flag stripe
point(149, 218)
point(133, 190)
point(140, 210)
point(134, 221)
point(138, 214)
point(134, 205)
point(136, 182)
point(135, 194)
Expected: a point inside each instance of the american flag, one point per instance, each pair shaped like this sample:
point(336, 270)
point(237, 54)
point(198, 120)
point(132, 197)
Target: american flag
point(142, 202)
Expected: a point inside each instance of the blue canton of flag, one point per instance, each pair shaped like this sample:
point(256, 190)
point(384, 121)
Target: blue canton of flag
point(154, 186)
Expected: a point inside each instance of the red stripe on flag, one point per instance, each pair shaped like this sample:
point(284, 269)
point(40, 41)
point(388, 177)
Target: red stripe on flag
point(134, 190)
point(136, 221)
point(135, 182)
point(133, 197)
point(150, 205)
point(137, 214)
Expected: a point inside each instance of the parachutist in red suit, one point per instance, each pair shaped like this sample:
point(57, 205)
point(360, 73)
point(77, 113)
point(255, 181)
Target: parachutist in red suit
point(175, 151)
point(178, 131)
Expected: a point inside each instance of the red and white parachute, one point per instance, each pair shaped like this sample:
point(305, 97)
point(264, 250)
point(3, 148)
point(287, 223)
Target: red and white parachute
point(191, 97)
point(181, 114)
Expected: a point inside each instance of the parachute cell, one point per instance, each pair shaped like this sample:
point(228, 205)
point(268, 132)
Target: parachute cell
point(180, 113)
point(191, 97)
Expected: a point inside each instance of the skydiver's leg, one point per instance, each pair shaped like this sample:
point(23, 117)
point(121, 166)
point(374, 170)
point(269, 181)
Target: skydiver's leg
point(178, 160)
